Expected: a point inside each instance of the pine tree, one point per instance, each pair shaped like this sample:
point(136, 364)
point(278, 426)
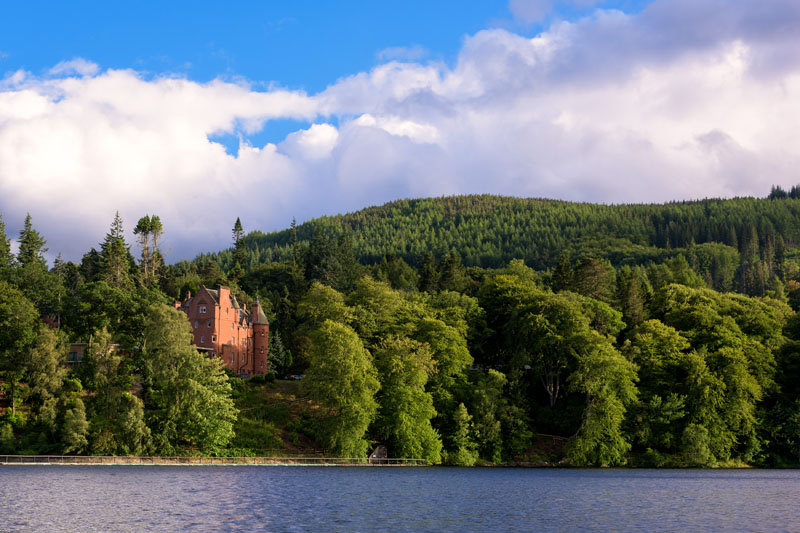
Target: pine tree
point(148, 231)
point(562, 275)
point(5, 252)
point(115, 258)
point(429, 274)
point(280, 359)
point(31, 245)
point(239, 252)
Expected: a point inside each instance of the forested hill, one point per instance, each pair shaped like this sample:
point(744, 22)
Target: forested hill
point(489, 231)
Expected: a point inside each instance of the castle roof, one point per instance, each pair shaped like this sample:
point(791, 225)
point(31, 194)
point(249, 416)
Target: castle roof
point(258, 316)
point(213, 293)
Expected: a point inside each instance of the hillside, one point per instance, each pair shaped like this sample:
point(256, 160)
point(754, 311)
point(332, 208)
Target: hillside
point(489, 231)
point(586, 359)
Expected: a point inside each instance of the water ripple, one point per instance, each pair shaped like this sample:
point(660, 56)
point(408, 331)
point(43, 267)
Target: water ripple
point(192, 498)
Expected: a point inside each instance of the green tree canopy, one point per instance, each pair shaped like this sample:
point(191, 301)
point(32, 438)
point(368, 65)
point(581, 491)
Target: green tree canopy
point(342, 379)
point(188, 394)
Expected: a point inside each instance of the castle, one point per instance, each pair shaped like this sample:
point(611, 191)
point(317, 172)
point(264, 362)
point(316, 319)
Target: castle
point(225, 329)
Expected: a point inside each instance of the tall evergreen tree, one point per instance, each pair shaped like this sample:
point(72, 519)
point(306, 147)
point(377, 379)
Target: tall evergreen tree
point(148, 232)
point(562, 274)
point(5, 251)
point(31, 245)
point(451, 275)
point(115, 257)
point(429, 274)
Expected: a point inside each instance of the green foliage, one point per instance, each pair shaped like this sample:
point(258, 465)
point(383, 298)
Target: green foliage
point(396, 272)
point(470, 361)
point(695, 444)
point(18, 329)
point(31, 245)
point(732, 364)
point(607, 379)
point(6, 258)
point(280, 359)
point(188, 395)
point(323, 303)
point(75, 428)
point(594, 277)
point(462, 451)
point(406, 409)
point(342, 379)
point(117, 423)
point(116, 261)
point(46, 372)
point(148, 231)
point(488, 407)
point(490, 231)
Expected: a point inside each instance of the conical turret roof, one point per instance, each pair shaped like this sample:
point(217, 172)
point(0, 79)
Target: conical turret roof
point(258, 316)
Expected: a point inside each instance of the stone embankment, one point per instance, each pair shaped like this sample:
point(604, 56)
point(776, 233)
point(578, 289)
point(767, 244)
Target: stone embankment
point(201, 461)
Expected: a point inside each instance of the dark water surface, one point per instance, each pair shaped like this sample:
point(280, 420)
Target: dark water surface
point(143, 498)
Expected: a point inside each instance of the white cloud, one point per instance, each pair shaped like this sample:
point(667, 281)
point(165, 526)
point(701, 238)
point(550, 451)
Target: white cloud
point(75, 66)
point(421, 133)
point(314, 143)
point(683, 100)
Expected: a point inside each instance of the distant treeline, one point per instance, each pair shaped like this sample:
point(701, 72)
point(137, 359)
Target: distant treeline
point(489, 231)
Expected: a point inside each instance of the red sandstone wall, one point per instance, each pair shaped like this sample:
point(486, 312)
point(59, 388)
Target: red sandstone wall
point(217, 328)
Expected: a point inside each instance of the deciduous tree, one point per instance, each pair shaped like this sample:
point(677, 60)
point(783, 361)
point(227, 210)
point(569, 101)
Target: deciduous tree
point(342, 379)
point(188, 394)
point(405, 408)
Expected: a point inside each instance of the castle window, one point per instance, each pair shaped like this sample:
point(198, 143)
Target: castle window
point(213, 338)
point(262, 349)
point(195, 324)
point(202, 339)
point(262, 332)
point(73, 357)
point(209, 323)
point(202, 308)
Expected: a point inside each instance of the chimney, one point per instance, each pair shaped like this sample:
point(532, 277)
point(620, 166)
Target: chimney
point(224, 292)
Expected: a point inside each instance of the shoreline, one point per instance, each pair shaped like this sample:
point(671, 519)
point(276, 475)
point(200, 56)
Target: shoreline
point(144, 461)
point(122, 460)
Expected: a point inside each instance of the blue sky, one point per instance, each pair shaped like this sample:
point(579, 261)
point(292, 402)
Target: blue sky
point(301, 45)
point(201, 112)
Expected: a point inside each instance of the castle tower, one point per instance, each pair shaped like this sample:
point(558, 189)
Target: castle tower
point(260, 326)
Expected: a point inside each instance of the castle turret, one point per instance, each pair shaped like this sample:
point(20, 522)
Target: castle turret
point(260, 326)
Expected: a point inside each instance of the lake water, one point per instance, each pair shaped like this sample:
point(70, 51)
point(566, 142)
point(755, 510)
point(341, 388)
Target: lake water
point(142, 498)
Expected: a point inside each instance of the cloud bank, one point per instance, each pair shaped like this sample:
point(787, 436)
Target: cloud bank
point(686, 99)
